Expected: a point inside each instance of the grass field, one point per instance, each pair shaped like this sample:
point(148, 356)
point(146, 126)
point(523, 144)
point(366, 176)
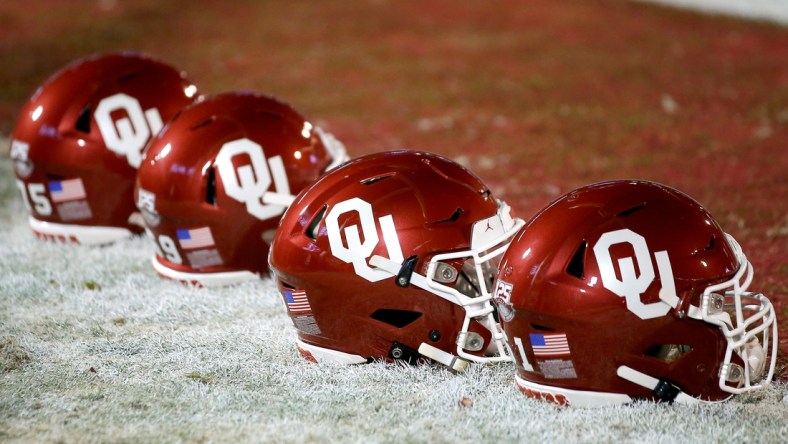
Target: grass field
point(536, 97)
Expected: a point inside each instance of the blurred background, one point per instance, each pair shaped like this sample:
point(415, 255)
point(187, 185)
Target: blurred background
point(536, 97)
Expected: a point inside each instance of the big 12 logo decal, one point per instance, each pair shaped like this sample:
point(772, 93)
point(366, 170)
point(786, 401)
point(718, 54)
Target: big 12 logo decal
point(127, 135)
point(357, 252)
point(631, 286)
point(249, 184)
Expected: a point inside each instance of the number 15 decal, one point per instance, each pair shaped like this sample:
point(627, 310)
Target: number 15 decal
point(37, 194)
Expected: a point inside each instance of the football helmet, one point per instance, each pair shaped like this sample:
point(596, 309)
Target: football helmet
point(216, 180)
point(391, 256)
point(79, 140)
point(629, 290)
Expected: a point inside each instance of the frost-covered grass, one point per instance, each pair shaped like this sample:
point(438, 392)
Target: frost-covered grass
point(94, 346)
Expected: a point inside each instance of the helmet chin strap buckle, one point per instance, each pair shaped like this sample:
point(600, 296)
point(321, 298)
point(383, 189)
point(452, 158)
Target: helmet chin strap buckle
point(455, 363)
point(666, 391)
point(406, 271)
point(662, 389)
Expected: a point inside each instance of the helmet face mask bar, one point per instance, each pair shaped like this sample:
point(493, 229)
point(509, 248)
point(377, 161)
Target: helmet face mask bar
point(741, 332)
point(472, 291)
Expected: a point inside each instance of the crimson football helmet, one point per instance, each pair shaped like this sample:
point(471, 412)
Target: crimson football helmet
point(629, 290)
point(216, 180)
point(79, 140)
point(391, 256)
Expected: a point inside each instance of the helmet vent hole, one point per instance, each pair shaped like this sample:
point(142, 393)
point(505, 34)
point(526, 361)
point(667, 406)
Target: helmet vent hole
point(454, 216)
point(538, 327)
point(710, 246)
point(264, 113)
point(83, 121)
point(667, 353)
point(396, 318)
point(376, 179)
point(127, 77)
point(204, 123)
point(312, 229)
point(286, 285)
point(210, 188)
point(631, 211)
point(576, 266)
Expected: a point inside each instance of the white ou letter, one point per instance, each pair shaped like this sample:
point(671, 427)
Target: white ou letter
point(357, 252)
point(128, 135)
point(631, 286)
point(250, 185)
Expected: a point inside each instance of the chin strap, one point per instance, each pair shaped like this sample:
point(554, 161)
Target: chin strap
point(455, 363)
point(662, 388)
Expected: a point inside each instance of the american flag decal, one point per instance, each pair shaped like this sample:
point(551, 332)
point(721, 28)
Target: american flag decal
point(65, 190)
point(296, 301)
point(553, 344)
point(196, 238)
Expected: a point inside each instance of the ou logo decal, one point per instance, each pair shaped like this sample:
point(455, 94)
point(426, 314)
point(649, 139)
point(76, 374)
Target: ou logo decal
point(126, 136)
point(357, 252)
point(250, 185)
point(631, 286)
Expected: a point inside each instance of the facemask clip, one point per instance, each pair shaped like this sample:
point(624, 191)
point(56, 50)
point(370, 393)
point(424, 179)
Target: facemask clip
point(470, 341)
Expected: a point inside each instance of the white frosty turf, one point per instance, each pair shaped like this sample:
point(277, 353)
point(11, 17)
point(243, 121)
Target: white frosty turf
point(94, 346)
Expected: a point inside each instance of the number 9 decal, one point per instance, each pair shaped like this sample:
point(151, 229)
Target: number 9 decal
point(166, 248)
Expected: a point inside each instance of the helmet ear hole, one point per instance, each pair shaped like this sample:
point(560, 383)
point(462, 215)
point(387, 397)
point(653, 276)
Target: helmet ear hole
point(83, 121)
point(396, 318)
point(667, 353)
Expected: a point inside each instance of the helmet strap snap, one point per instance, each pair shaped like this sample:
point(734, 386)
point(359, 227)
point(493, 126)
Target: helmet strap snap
point(401, 352)
point(406, 271)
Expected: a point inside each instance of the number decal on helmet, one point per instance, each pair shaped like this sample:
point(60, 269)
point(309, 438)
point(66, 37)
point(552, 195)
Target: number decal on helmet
point(357, 252)
point(166, 248)
point(127, 135)
point(37, 193)
point(502, 296)
point(630, 285)
point(249, 184)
